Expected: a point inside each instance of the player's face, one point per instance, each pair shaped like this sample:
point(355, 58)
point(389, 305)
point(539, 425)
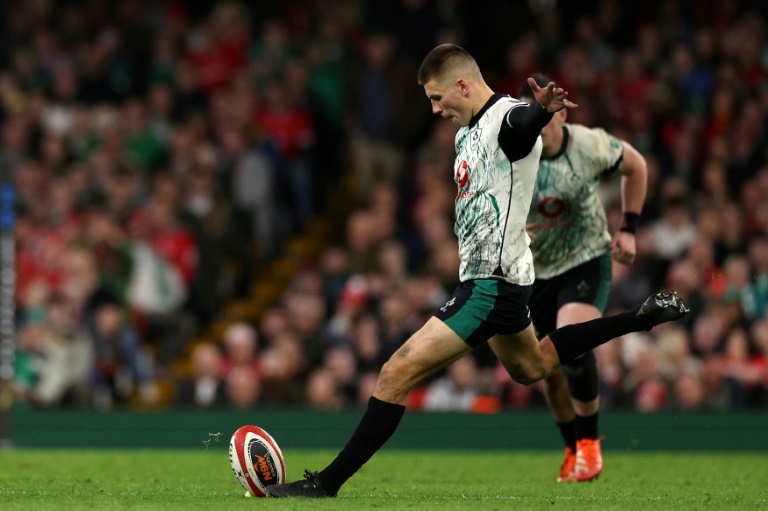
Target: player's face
point(448, 101)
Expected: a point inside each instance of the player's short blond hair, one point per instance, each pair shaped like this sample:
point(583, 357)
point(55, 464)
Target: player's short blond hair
point(448, 59)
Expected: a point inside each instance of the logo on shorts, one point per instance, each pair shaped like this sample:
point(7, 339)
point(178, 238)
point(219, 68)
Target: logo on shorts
point(450, 302)
point(583, 288)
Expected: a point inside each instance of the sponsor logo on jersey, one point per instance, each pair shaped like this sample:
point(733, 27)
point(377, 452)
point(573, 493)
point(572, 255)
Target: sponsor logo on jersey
point(462, 174)
point(552, 207)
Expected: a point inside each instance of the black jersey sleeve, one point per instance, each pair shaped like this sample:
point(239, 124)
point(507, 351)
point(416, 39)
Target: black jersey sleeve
point(522, 125)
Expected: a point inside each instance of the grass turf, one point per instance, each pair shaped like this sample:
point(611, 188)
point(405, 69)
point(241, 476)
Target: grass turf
point(108, 480)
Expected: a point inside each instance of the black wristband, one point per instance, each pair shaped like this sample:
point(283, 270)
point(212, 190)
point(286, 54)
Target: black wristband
point(629, 223)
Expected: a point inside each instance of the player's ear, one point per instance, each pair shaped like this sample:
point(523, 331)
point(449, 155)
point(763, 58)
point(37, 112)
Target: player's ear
point(463, 86)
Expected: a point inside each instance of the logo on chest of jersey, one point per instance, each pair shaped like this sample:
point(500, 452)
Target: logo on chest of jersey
point(474, 138)
point(552, 207)
point(462, 174)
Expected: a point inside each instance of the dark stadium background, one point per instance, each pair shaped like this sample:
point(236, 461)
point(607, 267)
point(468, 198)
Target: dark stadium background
point(195, 227)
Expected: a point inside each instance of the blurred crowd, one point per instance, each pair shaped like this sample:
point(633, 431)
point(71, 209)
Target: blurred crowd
point(161, 151)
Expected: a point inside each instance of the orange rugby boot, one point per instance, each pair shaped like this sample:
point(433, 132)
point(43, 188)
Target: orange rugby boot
point(589, 460)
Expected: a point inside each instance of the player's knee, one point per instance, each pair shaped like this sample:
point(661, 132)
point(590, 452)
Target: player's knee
point(527, 374)
point(388, 374)
point(583, 365)
point(532, 377)
point(390, 369)
point(394, 378)
point(582, 377)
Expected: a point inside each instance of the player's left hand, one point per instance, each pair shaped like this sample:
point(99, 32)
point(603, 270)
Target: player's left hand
point(623, 247)
point(551, 97)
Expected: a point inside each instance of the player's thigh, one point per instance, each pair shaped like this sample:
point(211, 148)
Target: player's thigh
point(584, 290)
point(544, 304)
point(522, 356)
point(576, 312)
point(431, 348)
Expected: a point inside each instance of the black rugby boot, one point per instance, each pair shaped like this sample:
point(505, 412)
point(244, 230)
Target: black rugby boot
point(660, 308)
point(310, 487)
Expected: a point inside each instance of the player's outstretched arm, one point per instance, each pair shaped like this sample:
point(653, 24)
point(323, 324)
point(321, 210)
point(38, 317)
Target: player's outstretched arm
point(634, 184)
point(551, 97)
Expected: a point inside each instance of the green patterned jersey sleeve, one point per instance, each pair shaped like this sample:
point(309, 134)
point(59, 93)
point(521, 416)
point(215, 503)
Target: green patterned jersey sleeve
point(606, 150)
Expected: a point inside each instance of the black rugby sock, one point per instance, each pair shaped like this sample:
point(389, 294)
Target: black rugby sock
point(377, 425)
point(573, 340)
point(568, 431)
point(586, 426)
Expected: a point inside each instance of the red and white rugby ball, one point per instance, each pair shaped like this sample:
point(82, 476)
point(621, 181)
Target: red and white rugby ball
point(256, 460)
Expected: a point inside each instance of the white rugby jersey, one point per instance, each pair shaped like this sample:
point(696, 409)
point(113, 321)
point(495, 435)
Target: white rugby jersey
point(493, 198)
point(568, 217)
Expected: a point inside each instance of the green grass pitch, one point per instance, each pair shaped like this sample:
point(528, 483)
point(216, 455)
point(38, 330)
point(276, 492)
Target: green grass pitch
point(106, 480)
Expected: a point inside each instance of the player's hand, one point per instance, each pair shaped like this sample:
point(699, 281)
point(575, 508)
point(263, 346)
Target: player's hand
point(551, 97)
point(531, 234)
point(623, 247)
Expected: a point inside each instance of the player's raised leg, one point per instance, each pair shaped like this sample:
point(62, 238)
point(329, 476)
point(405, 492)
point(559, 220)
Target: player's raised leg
point(433, 347)
point(527, 360)
point(573, 340)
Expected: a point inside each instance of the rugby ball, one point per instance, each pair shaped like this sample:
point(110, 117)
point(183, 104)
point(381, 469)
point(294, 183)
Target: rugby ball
point(256, 460)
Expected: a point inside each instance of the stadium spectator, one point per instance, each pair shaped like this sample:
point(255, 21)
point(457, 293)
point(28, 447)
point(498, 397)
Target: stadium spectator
point(274, 323)
point(457, 390)
point(242, 387)
point(375, 155)
point(689, 389)
point(204, 388)
point(342, 365)
point(307, 313)
point(123, 365)
point(352, 302)
point(241, 349)
point(739, 372)
point(288, 126)
point(323, 391)
point(57, 355)
point(283, 369)
point(252, 173)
